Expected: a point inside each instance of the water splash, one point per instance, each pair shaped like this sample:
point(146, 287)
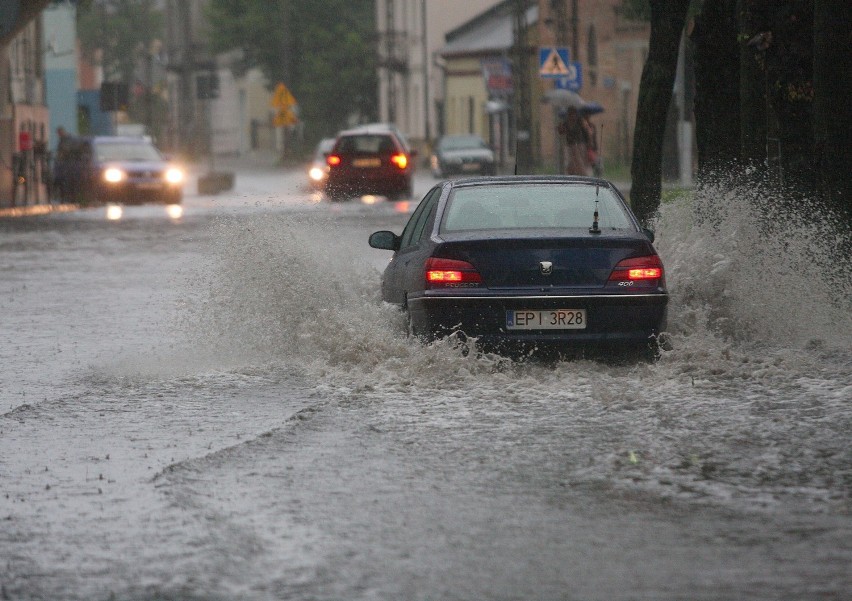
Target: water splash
point(743, 265)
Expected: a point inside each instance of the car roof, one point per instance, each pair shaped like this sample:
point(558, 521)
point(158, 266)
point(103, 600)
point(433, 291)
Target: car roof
point(365, 130)
point(542, 179)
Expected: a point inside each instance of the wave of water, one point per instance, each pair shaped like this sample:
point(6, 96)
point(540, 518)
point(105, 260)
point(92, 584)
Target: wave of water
point(759, 315)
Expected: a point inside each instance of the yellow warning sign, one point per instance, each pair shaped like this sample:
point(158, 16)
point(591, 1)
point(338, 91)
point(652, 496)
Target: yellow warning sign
point(282, 98)
point(284, 117)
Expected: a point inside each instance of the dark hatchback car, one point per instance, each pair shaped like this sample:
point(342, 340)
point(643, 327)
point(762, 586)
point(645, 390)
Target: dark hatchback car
point(462, 154)
point(528, 262)
point(370, 160)
point(131, 170)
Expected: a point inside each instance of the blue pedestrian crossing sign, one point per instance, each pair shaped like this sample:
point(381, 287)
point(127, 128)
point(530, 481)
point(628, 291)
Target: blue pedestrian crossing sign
point(553, 62)
point(573, 81)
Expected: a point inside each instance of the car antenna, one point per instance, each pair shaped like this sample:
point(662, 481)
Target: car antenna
point(595, 229)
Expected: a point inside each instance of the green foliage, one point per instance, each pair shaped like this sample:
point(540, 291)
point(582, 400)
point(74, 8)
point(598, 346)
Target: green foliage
point(123, 30)
point(323, 51)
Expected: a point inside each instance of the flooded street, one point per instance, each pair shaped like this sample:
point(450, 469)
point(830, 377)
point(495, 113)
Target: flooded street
point(217, 406)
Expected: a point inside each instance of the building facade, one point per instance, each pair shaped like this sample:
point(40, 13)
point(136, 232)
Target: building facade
point(466, 82)
point(61, 59)
point(24, 118)
point(410, 33)
point(611, 50)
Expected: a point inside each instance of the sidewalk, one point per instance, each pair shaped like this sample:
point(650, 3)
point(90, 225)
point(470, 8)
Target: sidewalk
point(34, 210)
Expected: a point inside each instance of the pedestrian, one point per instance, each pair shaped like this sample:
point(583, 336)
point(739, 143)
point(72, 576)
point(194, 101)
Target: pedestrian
point(578, 140)
point(62, 170)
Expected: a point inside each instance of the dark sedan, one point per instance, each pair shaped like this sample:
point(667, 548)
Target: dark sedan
point(462, 154)
point(527, 262)
point(100, 169)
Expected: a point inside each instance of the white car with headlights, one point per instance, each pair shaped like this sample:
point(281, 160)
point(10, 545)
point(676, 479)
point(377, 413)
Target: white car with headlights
point(118, 169)
point(318, 169)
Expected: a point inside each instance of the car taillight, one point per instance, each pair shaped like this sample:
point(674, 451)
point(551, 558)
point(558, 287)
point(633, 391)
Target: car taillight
point(333, 160)
point(638, 268)
point(448, 273)
point(400, 160)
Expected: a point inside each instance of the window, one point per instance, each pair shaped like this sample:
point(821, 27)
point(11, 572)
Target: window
point(513, 206)
point(414, 230)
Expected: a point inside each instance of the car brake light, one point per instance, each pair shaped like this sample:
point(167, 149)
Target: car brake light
point(333, 160)
point(400, 160)
point(637, 268)
point(450, 272)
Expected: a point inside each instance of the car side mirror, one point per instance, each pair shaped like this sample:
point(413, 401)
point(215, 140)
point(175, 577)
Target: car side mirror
point(648, 233)
point(385, 240)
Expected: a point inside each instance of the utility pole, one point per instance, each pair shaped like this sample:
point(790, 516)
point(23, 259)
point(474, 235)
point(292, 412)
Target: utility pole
point(575, 31)
point(523, 93)
point(424, 42)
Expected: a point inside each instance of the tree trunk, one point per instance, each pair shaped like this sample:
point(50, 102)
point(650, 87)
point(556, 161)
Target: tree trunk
point(753, 101)
point(717, 89)
point(833, 103)
point(655, 95)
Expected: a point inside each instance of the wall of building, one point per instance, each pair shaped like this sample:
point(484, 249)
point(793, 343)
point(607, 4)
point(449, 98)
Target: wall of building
point(60, 72)
point(24, 120)
point(465, 98)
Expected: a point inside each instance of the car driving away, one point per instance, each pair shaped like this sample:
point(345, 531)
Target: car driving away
point(528, 263)
point(371, 159)
point(118, 169)
point(462, 154)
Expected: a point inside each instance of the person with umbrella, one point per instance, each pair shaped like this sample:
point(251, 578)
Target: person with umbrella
point(579, 140)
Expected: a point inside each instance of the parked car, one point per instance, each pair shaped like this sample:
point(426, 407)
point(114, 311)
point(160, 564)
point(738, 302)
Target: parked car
point(120, 169)
point(318, 169)
point(372, 159)
point(462, 154)
point(527, 262)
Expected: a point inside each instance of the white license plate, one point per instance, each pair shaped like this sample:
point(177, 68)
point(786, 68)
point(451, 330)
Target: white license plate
point(470, 167)
point(149, 185)
point(367, 163)
point(555, 319)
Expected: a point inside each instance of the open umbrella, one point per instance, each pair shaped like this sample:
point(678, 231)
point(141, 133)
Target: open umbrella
point(591, 107)
point(563, 99)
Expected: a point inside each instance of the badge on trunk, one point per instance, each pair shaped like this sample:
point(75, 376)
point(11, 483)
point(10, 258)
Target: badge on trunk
point(546, 267)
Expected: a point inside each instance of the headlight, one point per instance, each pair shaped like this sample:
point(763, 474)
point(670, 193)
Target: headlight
point(316, 174)
point(174, 175)
point(114, 175)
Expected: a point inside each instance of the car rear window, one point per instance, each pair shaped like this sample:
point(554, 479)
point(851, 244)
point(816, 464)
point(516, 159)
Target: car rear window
point(366, 144)
point(514, 206)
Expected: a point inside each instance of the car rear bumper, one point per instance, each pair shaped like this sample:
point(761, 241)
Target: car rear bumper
point(368, 182)
point(610, 318)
